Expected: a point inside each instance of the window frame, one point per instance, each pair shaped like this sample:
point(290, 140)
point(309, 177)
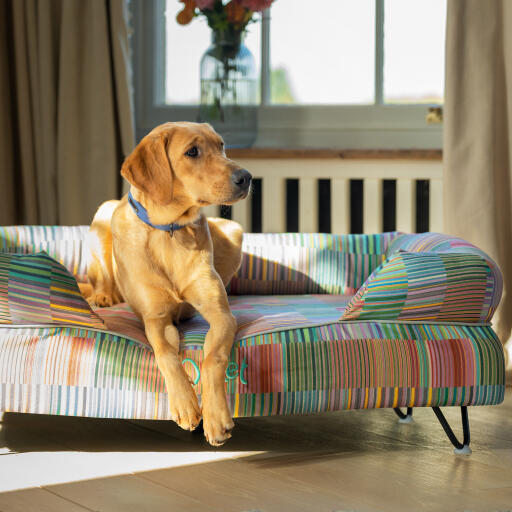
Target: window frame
point(375, 126)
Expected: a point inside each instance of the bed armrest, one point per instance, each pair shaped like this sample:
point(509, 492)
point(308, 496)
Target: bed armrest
point(429, 286)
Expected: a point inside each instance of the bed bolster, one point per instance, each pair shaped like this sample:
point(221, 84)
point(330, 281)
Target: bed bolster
point(429, 286)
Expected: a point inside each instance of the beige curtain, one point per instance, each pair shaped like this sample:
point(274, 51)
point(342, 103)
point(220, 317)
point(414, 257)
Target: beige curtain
point(65, 108)
point(478, 136)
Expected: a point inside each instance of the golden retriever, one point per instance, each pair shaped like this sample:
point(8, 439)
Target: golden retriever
point(164, 276)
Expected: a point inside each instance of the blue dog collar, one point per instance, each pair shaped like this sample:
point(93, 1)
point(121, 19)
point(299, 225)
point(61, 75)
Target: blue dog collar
point(142, 214)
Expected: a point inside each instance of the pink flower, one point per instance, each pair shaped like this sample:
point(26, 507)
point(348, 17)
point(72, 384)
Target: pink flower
point(256, 5)
point(205, 4)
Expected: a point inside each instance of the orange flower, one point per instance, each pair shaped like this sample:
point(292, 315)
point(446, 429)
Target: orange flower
point(185, 17)
point(235, 12)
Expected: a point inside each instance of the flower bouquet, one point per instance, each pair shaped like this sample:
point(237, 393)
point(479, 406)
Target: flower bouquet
point(229, 80)
point(232, 16)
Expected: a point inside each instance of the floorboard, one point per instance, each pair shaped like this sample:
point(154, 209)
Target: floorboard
point(35, 500)
point(353, 460)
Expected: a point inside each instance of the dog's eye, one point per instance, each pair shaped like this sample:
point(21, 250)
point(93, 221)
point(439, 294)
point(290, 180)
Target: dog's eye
point(193, 152)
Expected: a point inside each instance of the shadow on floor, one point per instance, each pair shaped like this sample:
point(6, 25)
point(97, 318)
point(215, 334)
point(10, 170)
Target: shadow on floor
point(335, 432)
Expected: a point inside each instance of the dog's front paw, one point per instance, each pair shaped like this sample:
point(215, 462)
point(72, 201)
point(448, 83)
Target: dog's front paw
point(101, 300)
point(217, 425)
point(185, 410)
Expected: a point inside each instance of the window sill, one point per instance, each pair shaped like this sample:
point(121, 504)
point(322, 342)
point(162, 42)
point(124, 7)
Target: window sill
point(344, 154)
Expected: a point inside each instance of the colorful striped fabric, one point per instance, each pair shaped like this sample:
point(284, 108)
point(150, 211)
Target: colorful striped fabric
point(80, 372)
point(284, 263)
point(427, 287)
point(291, 355)
point(255, 315)
point(447, 244)
point(36, 289)
point(294, 263)
point(430, 277)
point(433, 242)
point(66, 244)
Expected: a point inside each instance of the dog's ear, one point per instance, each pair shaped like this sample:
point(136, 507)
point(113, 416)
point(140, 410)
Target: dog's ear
point(148, 168)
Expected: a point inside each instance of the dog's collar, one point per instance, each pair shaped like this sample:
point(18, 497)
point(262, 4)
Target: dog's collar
point(142, 214)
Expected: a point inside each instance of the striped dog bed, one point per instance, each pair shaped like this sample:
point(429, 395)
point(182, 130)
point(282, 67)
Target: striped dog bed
point(325, 322)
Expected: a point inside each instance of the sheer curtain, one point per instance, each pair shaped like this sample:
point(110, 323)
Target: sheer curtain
point(477, 137)
point(65, 108)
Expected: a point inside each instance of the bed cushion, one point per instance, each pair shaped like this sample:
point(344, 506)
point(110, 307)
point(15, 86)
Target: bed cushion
point(36, 289)
point(255, 315)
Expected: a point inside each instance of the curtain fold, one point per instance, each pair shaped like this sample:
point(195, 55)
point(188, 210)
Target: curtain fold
point(66, 97)
point(477, 137)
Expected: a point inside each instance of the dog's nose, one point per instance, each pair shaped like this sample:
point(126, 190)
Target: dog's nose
point(241, 178)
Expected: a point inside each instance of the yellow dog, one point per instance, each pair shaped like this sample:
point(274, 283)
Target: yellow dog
point(155, 250)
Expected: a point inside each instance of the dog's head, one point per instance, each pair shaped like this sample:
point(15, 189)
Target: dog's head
point(185, 161)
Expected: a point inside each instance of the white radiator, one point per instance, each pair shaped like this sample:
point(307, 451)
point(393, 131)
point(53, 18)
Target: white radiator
point(275, 172)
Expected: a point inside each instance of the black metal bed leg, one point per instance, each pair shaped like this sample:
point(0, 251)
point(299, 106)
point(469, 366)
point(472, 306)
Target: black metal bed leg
point(403, 418)
point(460, 448)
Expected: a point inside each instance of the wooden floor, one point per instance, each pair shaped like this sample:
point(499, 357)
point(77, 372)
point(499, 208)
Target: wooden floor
point(357, 461)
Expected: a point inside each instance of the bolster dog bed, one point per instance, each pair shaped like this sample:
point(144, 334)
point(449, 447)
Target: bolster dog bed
point(325, 322)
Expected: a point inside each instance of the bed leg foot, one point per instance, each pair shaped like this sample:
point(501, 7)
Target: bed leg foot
point(465, 450)
point(460, 448)
point(404, 418)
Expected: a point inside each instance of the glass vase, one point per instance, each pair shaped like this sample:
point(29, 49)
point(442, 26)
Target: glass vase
point(229, 89)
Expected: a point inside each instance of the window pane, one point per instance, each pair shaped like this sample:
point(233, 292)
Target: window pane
point(184, 48)
point(322, 52)
point(414, 51)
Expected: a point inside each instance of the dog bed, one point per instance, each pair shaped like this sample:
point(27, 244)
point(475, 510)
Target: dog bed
point(325, 322)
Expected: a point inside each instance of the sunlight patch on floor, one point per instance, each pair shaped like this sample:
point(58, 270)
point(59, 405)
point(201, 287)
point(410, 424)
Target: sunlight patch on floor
point(27, 470)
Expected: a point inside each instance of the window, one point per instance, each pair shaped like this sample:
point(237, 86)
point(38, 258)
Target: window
point(414, 33)
point(325, 57)
point(334, 73)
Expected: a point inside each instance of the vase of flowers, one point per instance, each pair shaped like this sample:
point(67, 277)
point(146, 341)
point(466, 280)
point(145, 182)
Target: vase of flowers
point(228, 71)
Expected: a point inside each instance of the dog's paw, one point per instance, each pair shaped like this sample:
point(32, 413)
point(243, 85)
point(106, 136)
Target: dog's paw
point(217, 426)
point(185, 410)
point(100, 300)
